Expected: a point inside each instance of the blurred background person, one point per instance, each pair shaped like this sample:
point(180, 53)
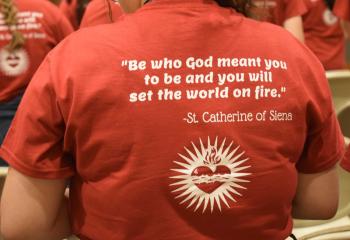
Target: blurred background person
point(100, 12)
point(324, 34)
point(42, 26)
point(285, 13)
point(346, 161)
point(342, 10)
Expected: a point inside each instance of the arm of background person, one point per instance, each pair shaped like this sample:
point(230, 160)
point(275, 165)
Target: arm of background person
point(317, 195)
point(33, 209)
point(295, 26)
point(346, 28)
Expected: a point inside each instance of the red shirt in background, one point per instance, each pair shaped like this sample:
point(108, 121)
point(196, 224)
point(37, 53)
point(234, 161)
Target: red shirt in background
point(70, 10)
point(342, 9)
point(143, 166)
point(97, 12)
point(324, 35)
point(43, 27)
point(278, 11)
point(346, 161)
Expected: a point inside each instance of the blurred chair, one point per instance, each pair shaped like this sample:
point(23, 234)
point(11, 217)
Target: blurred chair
point(337, 228)
point(332, 230)
point(340, 85)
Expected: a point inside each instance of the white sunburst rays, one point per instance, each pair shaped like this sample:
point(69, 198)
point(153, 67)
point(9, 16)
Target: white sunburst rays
point(187, 184)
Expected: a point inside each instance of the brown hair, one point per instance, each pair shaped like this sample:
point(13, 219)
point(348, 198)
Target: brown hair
point(9, 12)
point(242, 6)
point(55, 1)
point(110, 15)
point(82, 4)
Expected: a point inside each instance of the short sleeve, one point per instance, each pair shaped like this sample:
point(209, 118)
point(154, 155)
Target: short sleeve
point(63, 28)
point(68, 9)
point(323, 147)
point(342, 9)
point(98, 12)
point(324, 143)
point(293, 8)
point(59, 24)
point(346, 161)
point(34, 143)
point(95, 14)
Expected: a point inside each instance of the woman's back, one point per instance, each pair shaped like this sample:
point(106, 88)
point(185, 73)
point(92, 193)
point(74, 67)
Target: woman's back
point(184, 135)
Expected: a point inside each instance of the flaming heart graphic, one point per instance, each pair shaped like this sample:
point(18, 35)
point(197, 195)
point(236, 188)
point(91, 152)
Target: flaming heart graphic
point(210, 174)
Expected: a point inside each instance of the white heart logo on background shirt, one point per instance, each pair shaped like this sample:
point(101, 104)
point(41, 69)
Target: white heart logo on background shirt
point(13, 63)
point(329, 18)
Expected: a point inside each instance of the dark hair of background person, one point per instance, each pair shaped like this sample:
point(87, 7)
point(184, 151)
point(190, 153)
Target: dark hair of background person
point(82, 4)
point(330, 4)
point(242, 6)
point(55, 1)
point(80, 8)
point(9, 11)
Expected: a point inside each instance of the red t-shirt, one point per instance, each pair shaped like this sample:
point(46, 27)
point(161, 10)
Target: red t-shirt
point(203, 157)
point(97, 12)
point(324, 35)
point(70, 10)
point(43, 27)
point(342, 9)
point(278, 11)
point(346, 161)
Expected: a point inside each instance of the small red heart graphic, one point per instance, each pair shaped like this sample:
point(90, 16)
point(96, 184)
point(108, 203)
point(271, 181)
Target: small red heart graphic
point(211, 186)
point(13, 60)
